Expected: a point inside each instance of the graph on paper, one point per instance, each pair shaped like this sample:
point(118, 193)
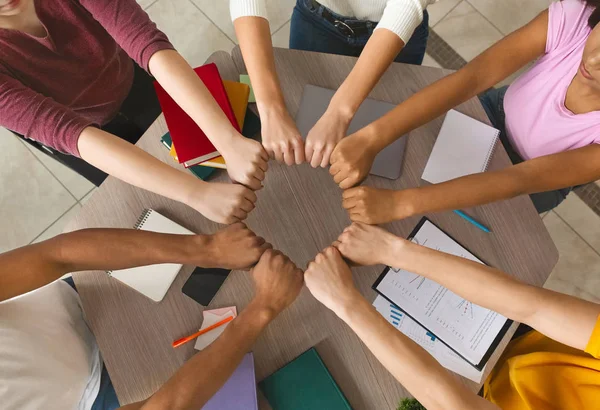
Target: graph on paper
point(466, 327)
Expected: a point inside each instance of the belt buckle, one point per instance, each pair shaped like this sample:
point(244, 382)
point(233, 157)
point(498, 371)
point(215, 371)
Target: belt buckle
point(343, 27)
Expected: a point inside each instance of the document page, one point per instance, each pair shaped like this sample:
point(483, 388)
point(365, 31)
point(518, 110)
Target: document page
point(465, 327)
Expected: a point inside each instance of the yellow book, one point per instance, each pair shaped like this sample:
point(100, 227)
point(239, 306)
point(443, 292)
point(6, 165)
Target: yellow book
point(238, 98)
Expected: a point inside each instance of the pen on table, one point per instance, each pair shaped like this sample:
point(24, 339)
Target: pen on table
point(184, 340)
point(473, 221)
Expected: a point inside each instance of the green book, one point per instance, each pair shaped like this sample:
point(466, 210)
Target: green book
point(304, 384)
point(201, 172)
point(245, 79)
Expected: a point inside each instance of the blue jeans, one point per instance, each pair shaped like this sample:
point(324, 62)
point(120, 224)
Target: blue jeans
point(311, 32)
point(107, 397)
point(493, 104)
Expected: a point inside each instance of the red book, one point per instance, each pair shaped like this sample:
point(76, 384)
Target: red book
point(193, 146)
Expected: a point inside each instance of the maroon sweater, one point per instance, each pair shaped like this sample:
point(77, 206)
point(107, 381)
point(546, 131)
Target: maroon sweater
point(79, 75)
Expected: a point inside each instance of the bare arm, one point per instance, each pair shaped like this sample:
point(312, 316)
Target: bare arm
point(130, 164)
point(564, 318)
point(280, 137)
point(566, 169)
point(354, 155)
point(246, 160)
point(330, 281)
point(278, 283)
point(30, 267)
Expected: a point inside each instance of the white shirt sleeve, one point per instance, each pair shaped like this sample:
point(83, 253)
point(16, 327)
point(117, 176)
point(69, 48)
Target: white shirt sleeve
point(403, 16)
point(243, 8)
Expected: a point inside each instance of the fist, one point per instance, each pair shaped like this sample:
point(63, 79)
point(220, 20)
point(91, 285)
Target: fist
point(246, 162)
point(351, 161)
point(281, 138)
point(223, 203)
point(375, 206)
point(329, 279)
point(278, 281)
point(248, 247)
point(323, 138)
point(368, 245)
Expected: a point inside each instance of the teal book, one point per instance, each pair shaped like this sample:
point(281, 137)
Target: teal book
point(303, 384)
point(201, 172)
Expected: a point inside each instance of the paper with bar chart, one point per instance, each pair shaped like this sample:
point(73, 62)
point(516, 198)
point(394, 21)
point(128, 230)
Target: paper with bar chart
point(469, 329)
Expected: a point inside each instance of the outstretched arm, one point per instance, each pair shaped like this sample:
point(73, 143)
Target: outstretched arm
point(330, 281)
point(30, 267)
point(277, 282)
point(353, 157)
point(280, 136)
point(564, 318)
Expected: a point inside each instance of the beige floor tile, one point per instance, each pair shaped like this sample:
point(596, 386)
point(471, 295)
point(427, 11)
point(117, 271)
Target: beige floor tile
point(279, 12)
point(192, 34)
point(509, 15)
point(57, 227)
point(437, 11)
point(582, 219)
point(428, 61)
point(31, 198)
point(282, 37)
point(578, 270)
point(75, 183)
point(467, 31)
point(145, 3)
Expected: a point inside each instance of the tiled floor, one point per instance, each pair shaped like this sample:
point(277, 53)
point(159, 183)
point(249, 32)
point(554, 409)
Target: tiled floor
point(39, 196)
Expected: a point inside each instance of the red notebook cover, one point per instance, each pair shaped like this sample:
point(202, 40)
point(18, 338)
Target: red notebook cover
point(193, 146)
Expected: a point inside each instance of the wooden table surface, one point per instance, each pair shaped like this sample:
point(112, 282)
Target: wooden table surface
point(299, 211)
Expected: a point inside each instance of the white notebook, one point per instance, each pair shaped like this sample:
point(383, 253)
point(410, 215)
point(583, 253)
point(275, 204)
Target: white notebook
point(464, 146)
point(152, 281)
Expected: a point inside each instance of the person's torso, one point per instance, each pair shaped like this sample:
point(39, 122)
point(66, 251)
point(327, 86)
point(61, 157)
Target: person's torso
point(537, 121)
point(78, 64)
point(48, 356)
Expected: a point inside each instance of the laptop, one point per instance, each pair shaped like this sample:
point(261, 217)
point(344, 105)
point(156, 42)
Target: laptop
point(388, 163)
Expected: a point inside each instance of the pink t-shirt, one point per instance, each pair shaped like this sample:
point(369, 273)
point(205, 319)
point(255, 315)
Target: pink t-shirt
point(537, 121)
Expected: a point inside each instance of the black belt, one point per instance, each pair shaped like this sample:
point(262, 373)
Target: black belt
point(348, 27)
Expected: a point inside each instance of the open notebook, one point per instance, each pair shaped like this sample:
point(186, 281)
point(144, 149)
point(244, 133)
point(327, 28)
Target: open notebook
point(464, 146)
point(152, 281)
point(470, 330)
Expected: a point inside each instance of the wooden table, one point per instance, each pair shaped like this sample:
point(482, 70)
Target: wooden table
point(299, 211)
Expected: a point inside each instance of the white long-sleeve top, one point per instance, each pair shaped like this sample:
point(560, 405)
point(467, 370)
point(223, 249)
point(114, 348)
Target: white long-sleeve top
point(399, 16)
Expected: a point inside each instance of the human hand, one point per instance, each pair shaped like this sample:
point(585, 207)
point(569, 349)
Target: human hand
point(329, 279)
point(323, 138)
point(376, 206)
point(222, 203)
point(352, 160)
point(216, 248)
point(368, 245)
point(280, 137)
point(246, 162)
point(277, 281)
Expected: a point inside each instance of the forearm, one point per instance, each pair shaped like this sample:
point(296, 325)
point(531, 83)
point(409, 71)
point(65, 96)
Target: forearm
point(257, 49)
point(541, 174)
point(130, 164)
point(410, 364)
point(31, 267)
point(561, 317)
point(379, 52)
point(181, 82)
point(204, 374)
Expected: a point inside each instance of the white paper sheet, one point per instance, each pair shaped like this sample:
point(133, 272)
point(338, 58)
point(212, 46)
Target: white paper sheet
point(210, 318)
point(466, 327)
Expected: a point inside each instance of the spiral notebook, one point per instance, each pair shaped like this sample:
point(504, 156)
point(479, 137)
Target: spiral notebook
point(152, 281)
point(464, 146)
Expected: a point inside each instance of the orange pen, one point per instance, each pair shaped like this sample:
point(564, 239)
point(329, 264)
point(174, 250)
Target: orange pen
point(184, 340)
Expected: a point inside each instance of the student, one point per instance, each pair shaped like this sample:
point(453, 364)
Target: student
point(67, 77)
point(554, 367)
point(549, 120)
point(379, 31)
point(50, 359)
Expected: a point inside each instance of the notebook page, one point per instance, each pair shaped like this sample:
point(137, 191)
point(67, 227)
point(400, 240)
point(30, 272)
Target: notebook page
point(464, 146)
point(467, 328)
point(155, 222)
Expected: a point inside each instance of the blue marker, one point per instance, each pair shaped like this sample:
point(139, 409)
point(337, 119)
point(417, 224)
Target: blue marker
point(473, 221)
